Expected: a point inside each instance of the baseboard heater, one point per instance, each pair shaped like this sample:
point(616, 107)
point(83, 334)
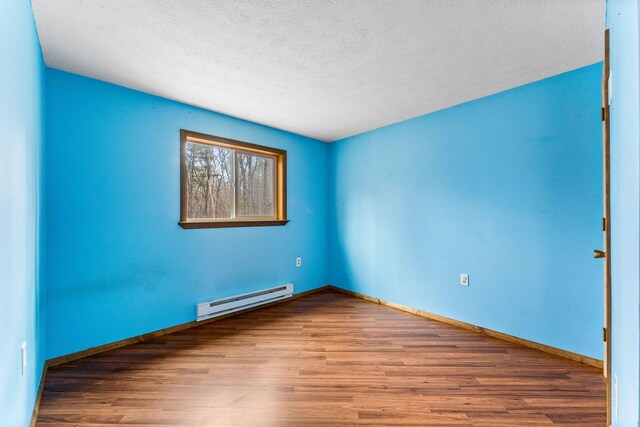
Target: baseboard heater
point(207, 310)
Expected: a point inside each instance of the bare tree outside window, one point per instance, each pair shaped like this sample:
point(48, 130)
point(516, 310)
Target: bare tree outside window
point(209, 181)
point(255, 185)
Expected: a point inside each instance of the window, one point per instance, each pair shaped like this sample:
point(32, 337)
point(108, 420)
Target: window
point(227, 183)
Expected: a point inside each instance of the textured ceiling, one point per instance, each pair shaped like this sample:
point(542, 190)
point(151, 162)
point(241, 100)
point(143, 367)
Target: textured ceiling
point(322, 68)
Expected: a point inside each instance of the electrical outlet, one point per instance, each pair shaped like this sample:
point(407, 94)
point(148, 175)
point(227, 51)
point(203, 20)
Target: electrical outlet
point(23, 358)
point(464, 279)
point(298, 262)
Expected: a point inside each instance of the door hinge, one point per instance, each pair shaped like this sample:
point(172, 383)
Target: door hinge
point(604, 224)
point(604, 334)
point(603, 113)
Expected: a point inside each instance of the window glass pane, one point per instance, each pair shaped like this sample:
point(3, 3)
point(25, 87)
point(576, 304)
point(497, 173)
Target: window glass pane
point(209, 181)
point(255, 185)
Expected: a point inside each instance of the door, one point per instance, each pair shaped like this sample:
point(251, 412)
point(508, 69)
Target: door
point(605, 253)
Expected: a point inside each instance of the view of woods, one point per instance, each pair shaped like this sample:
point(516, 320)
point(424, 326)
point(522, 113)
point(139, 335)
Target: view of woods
point(210, 181)
point(255, 185)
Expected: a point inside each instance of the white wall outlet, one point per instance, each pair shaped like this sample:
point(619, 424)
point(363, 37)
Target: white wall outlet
point(298, 262)
point(464, 279)
point(23, 358)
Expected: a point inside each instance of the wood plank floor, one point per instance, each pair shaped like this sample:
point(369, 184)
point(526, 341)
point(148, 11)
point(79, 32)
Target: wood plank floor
point(324, 359)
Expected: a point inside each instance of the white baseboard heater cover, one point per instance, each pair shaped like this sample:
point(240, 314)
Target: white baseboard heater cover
point(207, 310)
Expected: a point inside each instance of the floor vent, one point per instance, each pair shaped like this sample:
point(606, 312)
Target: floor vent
point(207, 310)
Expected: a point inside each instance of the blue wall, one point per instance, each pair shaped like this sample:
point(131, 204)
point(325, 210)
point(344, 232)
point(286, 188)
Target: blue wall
point(622, 20)
point(506, 188)
point(21, 80)
point(118, 263)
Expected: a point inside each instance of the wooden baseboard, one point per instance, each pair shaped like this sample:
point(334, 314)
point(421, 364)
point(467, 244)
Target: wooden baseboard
point(144, 337)
point(506, 337)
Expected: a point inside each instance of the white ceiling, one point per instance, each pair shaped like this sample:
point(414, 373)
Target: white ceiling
point(321, 68)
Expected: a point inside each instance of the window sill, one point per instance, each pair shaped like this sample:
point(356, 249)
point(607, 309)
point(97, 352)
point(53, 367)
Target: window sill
point(189, 225)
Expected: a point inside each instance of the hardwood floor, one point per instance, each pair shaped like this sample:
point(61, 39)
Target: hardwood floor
point(324, 359)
